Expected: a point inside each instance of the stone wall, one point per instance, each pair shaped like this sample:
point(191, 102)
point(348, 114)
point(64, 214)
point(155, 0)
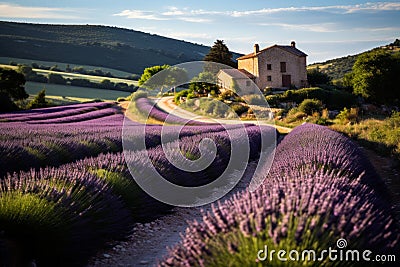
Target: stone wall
point(295, 67)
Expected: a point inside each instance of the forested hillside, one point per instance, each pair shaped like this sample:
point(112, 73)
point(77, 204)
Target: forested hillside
point(338, 67)
point(112, 47)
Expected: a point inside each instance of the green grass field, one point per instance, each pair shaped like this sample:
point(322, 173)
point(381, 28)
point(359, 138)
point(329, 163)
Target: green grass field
point(74, 93)
point(96, 79)
point(116, 73)
point(92, 78)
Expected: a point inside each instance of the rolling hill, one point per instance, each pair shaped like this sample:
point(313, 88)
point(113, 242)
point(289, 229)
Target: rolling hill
point(338, 67)
point(103, 46)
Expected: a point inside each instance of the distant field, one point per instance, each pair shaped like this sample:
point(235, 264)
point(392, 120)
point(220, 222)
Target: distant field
point(116, 73)
point(73, 92)
point(92, 78)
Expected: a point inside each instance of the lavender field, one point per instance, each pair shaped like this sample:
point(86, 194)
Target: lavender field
point(66, 190)
point(64, 178)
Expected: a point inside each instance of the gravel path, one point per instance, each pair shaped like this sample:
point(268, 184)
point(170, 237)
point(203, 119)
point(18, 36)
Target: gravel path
point(148, 242)
point(167, 104)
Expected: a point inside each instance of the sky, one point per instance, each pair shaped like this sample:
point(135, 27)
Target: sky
point(322, 29)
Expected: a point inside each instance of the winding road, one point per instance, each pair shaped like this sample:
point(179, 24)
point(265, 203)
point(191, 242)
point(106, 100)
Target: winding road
point(167, 104)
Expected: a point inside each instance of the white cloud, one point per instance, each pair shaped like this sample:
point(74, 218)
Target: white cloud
point(139, 14)
point(369, 7)
point(8, 10)
point(202, 16)
point(349, 41)
point(173, 13)
point(321, 27)
point(380, 29)
point(192, 19)
point(379, 6)
point(190, 35)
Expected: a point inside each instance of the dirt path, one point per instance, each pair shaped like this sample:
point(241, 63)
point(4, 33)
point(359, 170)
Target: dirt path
point(167, 104)
point(148, 242)
point(389, 169)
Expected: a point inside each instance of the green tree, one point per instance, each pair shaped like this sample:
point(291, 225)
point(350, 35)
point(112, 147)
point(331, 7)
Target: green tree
point(167, 77)
point(107, 84)
point(204, 83)
point(150, 72)
point(39, 101)
point(376, 76)
point(173, 76)
point(12, 84)
point(54, 68)
point(25, 70)
point(396, 43)
point(219, 53)
point(316, 77)
point(347, 81)
point(56, 78)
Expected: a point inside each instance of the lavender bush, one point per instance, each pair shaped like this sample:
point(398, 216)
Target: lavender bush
point(83, 204)
point(307, 205)
point(75, 210)
point(147, 107)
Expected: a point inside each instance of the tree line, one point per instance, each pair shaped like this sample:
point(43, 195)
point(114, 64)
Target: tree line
point(55, 78)
point(202, 84)
point(374, 77)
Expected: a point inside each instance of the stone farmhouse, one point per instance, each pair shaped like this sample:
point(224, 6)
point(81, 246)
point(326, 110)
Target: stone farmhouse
point(244, 80)
point(277, 66)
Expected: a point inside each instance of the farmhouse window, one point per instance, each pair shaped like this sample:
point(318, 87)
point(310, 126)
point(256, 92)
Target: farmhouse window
point(247, 83)
point(269, 67)
point(283, 66)
point(269, 78)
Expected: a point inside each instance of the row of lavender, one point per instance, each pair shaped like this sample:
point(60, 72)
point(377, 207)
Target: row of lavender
point(58, 135)
point(24, 146)
point(81, 205)
point(320, 189)
point(43, 114)
point(146, 106)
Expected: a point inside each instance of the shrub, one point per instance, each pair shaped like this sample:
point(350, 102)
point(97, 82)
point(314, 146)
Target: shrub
point(180, 94)
point(316, 77)
point(226, 95)
point(138, 94)
point(39, 101)
point(254, 99)
point(239, 109)
point(294, 115)
point(6, 104)
point(56, 78)
point(213, 107)
point(309, 106)
point(322, 121)
point(273, 100)
point(332, 98)
point(348, 115)
point(208, 106)
point(191, 95)
point(220, 109)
